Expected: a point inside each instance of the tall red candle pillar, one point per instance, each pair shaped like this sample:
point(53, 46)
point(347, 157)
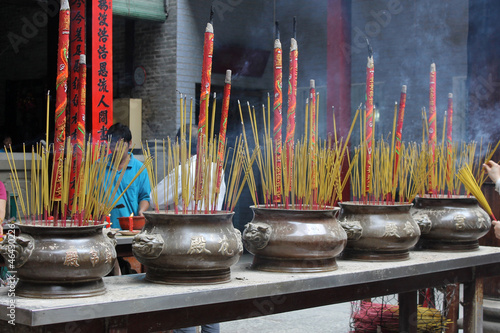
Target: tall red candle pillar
point(432, 126)
point(61, 99)
point(292, 105)
point(206, 76)
point(370, 69)
point(277, 112)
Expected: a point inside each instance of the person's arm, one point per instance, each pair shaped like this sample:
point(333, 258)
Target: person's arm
point(144, 193)
point(493, 170)
point(143, 206)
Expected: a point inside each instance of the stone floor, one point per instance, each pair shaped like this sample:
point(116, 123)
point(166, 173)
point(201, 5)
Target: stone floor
point(331, 318)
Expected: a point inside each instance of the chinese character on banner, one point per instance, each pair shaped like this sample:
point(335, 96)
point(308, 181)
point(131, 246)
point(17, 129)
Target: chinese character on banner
point(77, 47)
point(102, 78)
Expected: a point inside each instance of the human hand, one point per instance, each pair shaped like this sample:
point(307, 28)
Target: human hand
point(496, 226)
point(493, 170)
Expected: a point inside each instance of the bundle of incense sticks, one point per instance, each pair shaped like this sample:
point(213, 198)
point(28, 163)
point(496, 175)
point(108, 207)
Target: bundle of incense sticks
point(173, 174)
point(94, 193)
point(388, 185)
point(471, 186)
point(323, 159)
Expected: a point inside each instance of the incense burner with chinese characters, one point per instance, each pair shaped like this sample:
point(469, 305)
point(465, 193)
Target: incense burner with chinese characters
point(188, 248)
point(378, 232)
point(60, 261)
point(454, 223)
point(294, 240)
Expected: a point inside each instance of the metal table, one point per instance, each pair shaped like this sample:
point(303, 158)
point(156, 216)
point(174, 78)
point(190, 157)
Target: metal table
point(140, 306)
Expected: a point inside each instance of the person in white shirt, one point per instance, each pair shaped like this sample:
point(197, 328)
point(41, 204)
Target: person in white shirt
point(493, 170)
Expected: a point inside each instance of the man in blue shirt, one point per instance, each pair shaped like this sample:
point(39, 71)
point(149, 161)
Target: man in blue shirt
point(136, 199)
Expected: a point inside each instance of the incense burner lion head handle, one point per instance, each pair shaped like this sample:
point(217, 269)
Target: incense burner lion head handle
point(353, 229)
point(148, 245)
point(17, 249)
point(424, 223)
point(256, 235)
point(111, 235)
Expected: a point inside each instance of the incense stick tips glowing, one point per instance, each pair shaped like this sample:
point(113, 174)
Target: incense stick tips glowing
point(403, 89)
point(450, 95)
point(433, 67)
point(312, 84)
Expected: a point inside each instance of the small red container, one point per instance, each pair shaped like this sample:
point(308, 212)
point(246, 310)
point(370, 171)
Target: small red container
point(138, 222)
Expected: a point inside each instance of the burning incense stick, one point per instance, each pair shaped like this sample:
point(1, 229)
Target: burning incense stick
point(61, 98)
point(432, 123)
point(222, 129)
point(206, 75)
point(277, 109)
point(369, 123)
point(292, 104)
point(399, 133)
point(312, 138)
point(449, 138)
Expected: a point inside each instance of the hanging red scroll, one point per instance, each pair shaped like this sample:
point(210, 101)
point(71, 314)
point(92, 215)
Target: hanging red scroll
point(102, 68)
point(77, 48)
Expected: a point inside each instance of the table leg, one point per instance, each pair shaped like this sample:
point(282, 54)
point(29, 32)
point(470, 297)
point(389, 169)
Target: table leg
point(408, 312)
point(473, 306)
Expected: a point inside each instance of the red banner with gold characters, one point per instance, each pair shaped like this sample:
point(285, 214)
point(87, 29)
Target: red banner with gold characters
point(102, 68)
point(77, 47)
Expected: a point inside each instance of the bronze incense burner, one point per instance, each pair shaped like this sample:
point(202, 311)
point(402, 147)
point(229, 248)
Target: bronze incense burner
point(294, 241)
point(453, 224)
point(378, 232)
point(60, 261)
point(188, 248)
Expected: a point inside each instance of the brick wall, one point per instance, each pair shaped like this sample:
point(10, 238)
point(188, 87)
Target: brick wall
point(155, 50)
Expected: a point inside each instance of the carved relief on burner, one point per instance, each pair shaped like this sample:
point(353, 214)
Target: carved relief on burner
point(224, 247)
point(71, 258)
point(198, 245)
point(391, 230)
point(94, 256)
